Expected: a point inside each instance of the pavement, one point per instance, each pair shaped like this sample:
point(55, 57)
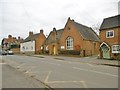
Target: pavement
point(91, 60)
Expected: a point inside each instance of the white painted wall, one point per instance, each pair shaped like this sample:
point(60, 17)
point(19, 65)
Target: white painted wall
point(27, 46)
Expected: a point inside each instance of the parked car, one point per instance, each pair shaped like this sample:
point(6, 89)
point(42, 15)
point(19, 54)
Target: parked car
point(10, 52)
point(3, 52)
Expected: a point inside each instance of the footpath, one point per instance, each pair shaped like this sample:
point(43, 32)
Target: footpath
point(92, 60)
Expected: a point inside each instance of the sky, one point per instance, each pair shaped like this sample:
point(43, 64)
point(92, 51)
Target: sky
point(18, 17)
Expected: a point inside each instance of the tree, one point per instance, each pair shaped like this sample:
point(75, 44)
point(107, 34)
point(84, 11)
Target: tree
point(96, 28)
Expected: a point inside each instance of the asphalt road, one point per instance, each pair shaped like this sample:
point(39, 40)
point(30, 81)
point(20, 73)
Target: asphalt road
point(12, 78)
point(58, 73)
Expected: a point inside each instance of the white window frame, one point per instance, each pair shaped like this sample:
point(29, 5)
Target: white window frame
point(115, 48)
point(109, 32)
point(69, 43)
point(46, 48)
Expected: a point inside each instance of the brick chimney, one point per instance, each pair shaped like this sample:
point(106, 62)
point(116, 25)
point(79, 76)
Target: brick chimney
point(9, 36)
point(54, 29)
point(18, 37)
point(30, 33)
point(41, 31)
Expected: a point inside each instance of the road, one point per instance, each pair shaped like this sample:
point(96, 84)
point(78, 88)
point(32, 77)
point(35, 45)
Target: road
point(12, 78)
point(58, 73)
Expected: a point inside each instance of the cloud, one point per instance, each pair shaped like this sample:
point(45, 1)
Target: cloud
point(18, 17)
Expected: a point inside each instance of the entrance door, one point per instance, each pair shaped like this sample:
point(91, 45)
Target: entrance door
point(106, 54)
point(54, 50)
point(106, 51)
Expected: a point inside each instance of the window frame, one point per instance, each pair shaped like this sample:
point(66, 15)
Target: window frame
point(109, 32)
point(69, 43)
point(116, 51)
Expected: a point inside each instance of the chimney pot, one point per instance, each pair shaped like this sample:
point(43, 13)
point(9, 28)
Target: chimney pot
point(30, 33)
point(41, 31)
point(54, 29)
point(9, 36)
point(18, 37)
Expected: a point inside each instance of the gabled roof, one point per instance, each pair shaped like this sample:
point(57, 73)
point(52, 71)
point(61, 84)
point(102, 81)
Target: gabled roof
point(50, 38)
point(31, 38)
point(86, 32)
point(110, 22)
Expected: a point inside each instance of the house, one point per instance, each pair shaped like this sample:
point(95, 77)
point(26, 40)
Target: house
point(51, 44)
point(110, 37)
point(33, 43)
point(11, 43)
point(75, 38)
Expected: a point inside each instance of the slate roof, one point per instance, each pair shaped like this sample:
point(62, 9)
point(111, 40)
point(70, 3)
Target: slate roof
point(31, 37)
point(58, 35)
point(86, 32)
point(110, 22)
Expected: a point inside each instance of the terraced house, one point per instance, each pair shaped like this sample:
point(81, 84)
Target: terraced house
point(11, 43)
point(110, 37)
point(33, 43)
point(75, 38)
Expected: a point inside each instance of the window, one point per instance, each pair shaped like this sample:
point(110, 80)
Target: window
point(23, 48)
point(68, 28)
point(26, 48)
point(69, 43)
point(46, 47)
point(110, 34)
point(116, 49)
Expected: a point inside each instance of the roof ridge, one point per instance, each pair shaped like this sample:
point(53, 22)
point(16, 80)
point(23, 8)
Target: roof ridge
point(87, 32)
point(82, 24)
point(112, 16)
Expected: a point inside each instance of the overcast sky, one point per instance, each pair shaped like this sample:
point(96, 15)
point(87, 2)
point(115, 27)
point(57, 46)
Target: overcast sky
point(18, 17)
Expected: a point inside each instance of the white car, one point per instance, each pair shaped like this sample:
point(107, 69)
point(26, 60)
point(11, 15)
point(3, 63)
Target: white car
point(10, 52)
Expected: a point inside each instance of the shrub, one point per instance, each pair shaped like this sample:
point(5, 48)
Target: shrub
point(70, 52)
point(15, 46)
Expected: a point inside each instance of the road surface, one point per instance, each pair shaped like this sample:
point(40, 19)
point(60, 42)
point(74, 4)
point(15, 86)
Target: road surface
point(12, 78)
point(60, 73)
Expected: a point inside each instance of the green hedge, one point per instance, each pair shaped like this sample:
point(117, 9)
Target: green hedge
point(70, 52)
point(15, 46)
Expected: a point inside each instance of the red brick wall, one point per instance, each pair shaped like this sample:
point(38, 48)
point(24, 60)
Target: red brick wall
point(111, 41)
point(88, 46)
point(16, 50)
point(39, 42)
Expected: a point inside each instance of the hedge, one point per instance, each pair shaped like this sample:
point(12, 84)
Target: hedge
point(69, 52)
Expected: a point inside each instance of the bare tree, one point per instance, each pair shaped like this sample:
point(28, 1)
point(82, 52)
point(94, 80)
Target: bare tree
point(96, 28)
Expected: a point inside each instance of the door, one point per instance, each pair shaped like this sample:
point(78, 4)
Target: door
point(106, 53)
point(54, 50)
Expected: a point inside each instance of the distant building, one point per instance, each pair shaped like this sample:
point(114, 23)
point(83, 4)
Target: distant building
point(51, 44)
point(110, 37)
point(33, 43)
point(11, 43)
point(75, 38)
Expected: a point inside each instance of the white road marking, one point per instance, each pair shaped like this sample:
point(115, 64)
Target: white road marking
point(2, 63)
point(84, 84)
point(20, 65)
point(52, 82)
point(95, 71)
point(29, 70)
point(46, 79)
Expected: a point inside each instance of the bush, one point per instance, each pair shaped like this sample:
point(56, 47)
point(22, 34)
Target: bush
point(46, 52)
point(15, 46)
point(70, 52)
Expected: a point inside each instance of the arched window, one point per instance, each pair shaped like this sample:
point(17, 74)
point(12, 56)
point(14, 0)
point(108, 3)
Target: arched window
point(69, 43)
